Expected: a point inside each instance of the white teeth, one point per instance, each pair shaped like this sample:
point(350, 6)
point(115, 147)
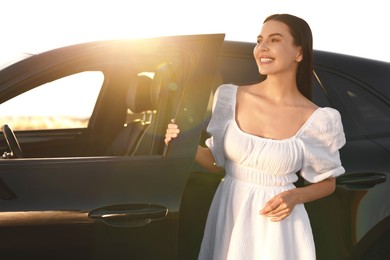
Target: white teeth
point(266, 59)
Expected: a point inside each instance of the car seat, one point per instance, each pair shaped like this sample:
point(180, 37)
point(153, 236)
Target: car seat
point(165, 92)
point(139, 100)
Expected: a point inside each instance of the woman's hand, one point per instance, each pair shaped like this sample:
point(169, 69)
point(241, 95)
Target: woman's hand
point(203, 156)
point(172, 131)
point(280, 206)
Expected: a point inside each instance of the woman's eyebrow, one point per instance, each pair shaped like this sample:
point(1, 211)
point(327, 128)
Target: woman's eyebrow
point(271, 35)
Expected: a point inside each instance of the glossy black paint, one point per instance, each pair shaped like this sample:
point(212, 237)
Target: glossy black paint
point(78, 205)
point(67, 200)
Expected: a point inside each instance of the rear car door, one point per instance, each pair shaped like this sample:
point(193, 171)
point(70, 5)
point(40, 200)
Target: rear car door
point(90, 204)
point(353, 222)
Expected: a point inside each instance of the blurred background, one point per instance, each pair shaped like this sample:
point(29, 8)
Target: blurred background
point(353, 27)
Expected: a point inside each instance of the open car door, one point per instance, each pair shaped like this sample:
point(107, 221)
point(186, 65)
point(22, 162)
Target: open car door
point(103, 206)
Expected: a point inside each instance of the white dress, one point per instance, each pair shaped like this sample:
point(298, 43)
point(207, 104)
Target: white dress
point(257, 169)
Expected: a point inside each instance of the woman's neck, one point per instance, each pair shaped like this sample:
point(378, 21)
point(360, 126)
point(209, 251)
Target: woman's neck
point(280, 90)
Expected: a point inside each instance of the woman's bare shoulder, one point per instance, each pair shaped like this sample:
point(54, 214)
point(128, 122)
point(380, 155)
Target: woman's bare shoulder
point(248, 89)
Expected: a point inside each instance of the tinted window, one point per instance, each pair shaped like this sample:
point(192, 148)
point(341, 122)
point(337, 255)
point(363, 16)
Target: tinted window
point(318, 95)
point(363, 112)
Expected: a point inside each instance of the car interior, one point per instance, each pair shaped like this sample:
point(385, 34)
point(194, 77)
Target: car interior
point(135, 125)
point(125, 121)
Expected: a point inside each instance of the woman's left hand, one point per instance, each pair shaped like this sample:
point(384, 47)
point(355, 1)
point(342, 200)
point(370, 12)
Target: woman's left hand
point(280, 206)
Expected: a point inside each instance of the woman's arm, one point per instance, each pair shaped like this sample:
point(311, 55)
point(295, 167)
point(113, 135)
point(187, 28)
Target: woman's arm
point(203, 156)
point(281, 206)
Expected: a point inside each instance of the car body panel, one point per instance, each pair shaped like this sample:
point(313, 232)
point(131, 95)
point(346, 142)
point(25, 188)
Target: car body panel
point(77, 204)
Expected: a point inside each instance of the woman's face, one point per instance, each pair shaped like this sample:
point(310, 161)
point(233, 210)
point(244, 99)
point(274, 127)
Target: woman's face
point(275, 51)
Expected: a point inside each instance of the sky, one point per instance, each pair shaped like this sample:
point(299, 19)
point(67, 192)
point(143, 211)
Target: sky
point(354, 27)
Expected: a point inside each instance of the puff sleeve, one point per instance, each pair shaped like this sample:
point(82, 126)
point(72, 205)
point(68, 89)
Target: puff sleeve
point(222, 113)
point(321, 144)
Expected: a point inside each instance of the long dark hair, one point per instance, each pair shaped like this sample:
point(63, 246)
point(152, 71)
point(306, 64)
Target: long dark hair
point(301, 32)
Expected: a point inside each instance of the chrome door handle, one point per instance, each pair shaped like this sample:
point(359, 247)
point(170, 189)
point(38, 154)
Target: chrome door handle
point(361, 180)
point(129, 215)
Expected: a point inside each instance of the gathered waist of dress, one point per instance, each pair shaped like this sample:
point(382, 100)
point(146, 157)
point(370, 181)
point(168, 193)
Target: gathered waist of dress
point(254, 176)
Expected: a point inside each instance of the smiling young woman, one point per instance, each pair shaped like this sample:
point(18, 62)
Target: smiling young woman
point(262, 135)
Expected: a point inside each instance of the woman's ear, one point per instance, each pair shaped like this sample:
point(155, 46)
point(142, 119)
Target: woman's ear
point(299, 56)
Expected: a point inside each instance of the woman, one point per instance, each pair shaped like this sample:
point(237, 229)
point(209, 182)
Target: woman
point(262, 135)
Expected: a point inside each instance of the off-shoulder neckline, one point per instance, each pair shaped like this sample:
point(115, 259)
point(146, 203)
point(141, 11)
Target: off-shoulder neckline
point(300, 130)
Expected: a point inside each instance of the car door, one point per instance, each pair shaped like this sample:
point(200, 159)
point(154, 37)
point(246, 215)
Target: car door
point(352, 222)
point(96, 206)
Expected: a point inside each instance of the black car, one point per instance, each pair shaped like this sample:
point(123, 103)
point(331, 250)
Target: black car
point(85, 172)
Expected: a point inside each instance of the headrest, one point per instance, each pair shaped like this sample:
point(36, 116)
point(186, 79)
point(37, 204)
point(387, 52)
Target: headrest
point(164, 81)
point(139, 95)
point(144, 93)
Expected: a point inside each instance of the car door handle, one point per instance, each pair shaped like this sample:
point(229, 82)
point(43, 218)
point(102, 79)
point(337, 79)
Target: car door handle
point(361, 180)
point(129, 215)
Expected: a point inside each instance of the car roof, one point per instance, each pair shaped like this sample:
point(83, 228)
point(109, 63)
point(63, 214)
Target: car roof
point(373, 73)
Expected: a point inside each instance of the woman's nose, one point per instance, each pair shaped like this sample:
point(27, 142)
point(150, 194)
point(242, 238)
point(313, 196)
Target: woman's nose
point(263, 46)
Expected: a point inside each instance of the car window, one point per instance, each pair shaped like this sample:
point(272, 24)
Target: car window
point(318, 95)
point(65, 103)
point(368, 112)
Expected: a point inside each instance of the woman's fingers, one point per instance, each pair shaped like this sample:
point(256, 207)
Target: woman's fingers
point(279, 207)
point(171, 132)
point(172, 126)
point(277, 214)
point(280, 215)
point(270, 206)
point(167, 140)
